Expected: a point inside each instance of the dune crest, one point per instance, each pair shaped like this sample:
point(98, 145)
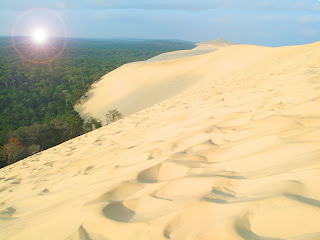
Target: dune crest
point(235, 155)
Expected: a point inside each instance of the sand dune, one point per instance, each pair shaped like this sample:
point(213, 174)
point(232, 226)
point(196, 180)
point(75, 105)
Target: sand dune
point(234, 155)
point(136, 86)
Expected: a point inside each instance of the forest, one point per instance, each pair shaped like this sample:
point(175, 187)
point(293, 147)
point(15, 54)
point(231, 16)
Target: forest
point(37, 100)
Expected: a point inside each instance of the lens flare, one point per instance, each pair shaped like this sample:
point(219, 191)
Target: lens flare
point(40, 45)
point(39, 36)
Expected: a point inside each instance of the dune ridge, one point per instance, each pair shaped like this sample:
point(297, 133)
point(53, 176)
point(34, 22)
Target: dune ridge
point(233, 156)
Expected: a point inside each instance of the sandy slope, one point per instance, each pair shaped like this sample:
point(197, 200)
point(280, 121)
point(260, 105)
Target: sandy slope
point(138, 85)
point(235, 156)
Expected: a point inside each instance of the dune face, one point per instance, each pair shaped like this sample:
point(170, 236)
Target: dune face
point(136, 86)
point(236, 155)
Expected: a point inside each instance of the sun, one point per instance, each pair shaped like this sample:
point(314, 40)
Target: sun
point(39, 36)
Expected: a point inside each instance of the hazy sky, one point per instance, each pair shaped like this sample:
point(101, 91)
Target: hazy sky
point(262, 22)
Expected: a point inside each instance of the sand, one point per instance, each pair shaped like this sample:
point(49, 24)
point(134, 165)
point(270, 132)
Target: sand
point(234, 154)
point(136, 86)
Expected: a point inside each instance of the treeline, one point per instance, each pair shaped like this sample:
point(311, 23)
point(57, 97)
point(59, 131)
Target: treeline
point(36, 101)
point(29, 140)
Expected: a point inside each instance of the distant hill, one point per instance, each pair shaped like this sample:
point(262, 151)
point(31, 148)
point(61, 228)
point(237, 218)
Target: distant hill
point(217, 42)
point(202, 48)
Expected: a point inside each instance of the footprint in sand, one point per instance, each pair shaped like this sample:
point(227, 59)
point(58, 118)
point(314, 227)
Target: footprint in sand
point(123, 192)
point(8, 212)
point(50, 164)
point(283, 217)
point(139, 210)
point(87, 171)
point(155, 153)
point(44, 191)
point(162, 172)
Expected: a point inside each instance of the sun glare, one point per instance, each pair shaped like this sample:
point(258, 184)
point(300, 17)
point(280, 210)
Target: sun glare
point(39, 36)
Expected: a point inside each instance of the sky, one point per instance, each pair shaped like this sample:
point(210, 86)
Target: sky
point(260, 22)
